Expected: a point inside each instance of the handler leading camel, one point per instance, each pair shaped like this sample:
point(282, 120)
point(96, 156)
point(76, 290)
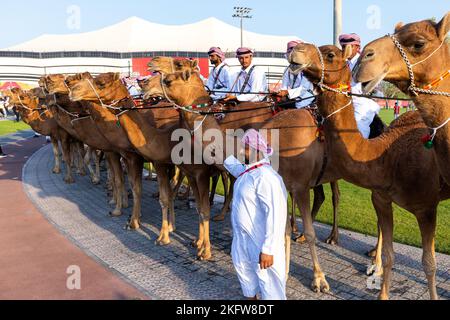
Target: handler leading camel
point(259, 214)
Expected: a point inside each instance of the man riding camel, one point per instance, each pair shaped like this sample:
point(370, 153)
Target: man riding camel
point(250, 82)
point(220, 77)
point(296, 86)
point(365, 109)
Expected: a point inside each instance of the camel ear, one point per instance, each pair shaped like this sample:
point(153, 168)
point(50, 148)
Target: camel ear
point(398, 26)
point(186, 75)
point(348, 50)
point(194, 64)
point(443, 27)
point(116, 76)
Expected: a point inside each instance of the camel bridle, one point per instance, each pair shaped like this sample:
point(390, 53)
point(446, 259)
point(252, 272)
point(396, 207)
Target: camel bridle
point(189, 109)
point(412, 87)
point(325, 87)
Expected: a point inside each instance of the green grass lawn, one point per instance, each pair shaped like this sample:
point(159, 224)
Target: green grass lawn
point(8, 127)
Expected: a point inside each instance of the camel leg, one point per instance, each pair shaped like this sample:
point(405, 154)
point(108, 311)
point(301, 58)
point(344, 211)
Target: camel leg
point(427, 225)
point(333, 239)
point(178, 178)
point(135, 168)
point(197, 243)
point(287, 246)
point(376, 268)
point(319, 199)
point(215, 181)
point(204, 253)
point(118, 181)
point(87, 162)
point(79, 154)
point(383, 208)
point(55, 147)
point(65, 146)
point(97, 158)
point(319, 283)
point(228, 197)
point(294, 226)
point(164, 199)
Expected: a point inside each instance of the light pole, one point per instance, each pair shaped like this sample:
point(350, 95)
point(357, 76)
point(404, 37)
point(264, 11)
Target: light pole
point(337, 21)
point(242, 13)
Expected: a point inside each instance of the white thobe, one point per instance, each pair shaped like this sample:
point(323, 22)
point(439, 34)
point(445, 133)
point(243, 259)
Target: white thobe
point(365, 109)
point(259, 213)
point(220, 82)
point(257, 83)
point(298, 87)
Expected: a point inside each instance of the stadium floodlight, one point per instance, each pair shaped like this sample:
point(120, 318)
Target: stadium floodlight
point(242, 13)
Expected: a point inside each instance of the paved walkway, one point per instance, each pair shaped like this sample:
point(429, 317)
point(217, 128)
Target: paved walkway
point(80, 213)
point(34, 256)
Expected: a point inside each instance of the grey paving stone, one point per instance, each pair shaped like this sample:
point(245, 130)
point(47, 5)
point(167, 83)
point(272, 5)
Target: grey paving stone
point(80, 210)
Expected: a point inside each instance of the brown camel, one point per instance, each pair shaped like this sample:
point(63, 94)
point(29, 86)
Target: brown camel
point(424, 48)
point(395, 166)
point(42, 121)
point(76, 117)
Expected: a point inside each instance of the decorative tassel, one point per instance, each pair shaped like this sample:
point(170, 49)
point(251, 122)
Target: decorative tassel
point(427, 141)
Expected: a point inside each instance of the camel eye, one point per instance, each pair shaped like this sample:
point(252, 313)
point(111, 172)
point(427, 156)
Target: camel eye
point(331, 55)
point(419, 45)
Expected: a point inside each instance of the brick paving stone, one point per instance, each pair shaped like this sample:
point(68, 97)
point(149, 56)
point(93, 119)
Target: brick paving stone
point(172, 272)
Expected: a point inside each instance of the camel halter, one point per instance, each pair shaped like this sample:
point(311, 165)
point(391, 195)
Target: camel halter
point(21, 103)
point(189, 109)
point(427, 140)
point(323, 86)
point(413, 88)
point(104, 105)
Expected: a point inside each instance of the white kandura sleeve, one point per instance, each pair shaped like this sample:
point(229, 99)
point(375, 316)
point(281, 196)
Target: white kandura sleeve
point(285, 81)
point(273, 203)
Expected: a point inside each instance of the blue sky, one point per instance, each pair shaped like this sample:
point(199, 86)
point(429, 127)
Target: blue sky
point(310, 20)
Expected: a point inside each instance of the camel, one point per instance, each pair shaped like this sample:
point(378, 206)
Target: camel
point(76, 118)
point(390, 166)
point(42, 121)
point(417, 60)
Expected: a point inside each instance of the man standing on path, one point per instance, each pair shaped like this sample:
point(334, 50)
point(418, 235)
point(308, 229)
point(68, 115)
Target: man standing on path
point(259, 214)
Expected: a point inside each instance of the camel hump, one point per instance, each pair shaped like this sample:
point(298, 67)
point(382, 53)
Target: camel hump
point(411, 118)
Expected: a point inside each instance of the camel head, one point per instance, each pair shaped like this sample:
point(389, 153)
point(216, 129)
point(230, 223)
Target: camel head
point(305, 58)
point(183, 88)
point(21, 98)
point(166, 65)
point(107, 87)
point(421, 41)
point(54, 83)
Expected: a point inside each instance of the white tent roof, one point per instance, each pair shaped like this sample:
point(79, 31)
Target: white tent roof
point(138, 35)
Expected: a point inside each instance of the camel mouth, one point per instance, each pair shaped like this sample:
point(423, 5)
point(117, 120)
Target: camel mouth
point(369, 86)
point(152, 96)
point(297, 68)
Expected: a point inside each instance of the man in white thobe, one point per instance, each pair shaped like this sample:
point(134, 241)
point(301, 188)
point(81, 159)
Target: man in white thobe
point(296, 86)
point(251, 81)
point(365, 109)
point(219, 78)
point(259, 213)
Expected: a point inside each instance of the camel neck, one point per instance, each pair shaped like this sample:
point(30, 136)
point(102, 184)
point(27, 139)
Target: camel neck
point(353, 155)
